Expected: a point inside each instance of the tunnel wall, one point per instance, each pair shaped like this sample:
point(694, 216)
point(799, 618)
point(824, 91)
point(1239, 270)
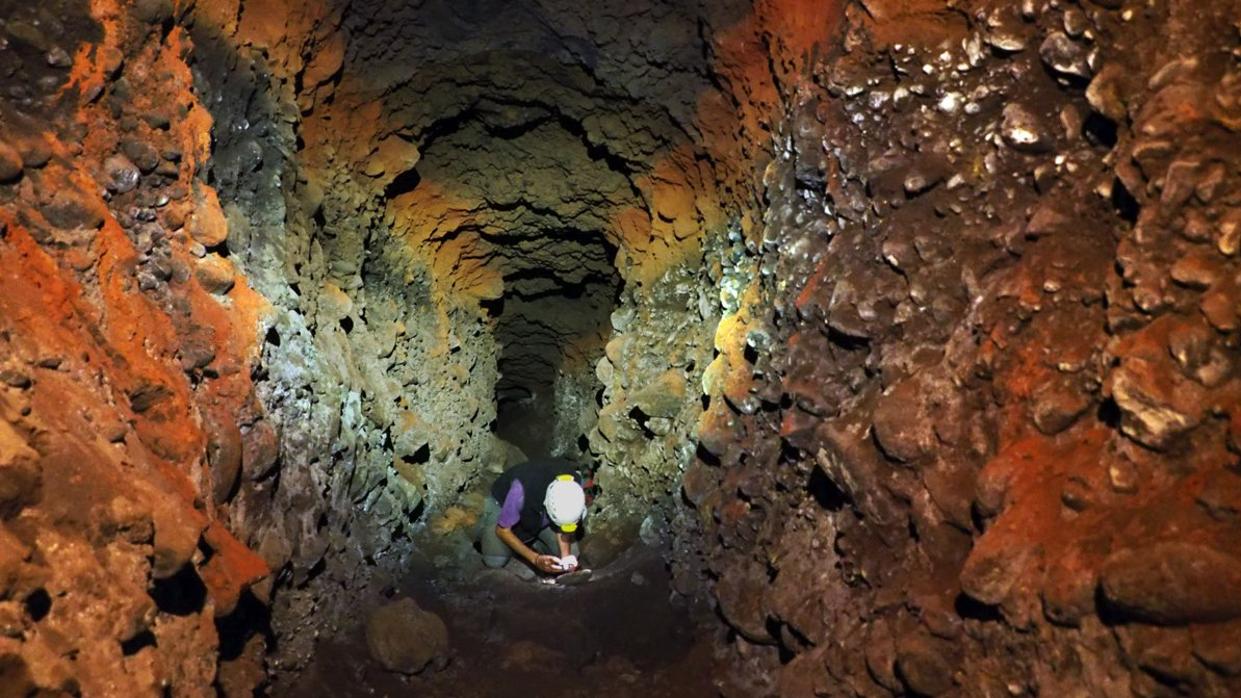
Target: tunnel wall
point(992, 445)
point(923, 354)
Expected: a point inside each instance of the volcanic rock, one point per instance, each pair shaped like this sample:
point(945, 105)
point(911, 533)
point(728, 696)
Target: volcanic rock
point(405, 639)
point(10, 163)
point(1173, 583)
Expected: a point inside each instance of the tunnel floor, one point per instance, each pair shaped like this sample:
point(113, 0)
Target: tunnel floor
point(621, 634)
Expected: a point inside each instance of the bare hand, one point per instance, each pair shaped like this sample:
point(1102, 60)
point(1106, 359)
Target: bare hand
point(547, 564)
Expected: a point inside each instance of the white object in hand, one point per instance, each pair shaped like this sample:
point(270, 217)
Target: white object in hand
point(567, 562)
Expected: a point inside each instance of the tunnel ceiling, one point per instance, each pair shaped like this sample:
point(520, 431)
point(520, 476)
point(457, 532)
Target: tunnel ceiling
point(906, 330)
point(534, 133)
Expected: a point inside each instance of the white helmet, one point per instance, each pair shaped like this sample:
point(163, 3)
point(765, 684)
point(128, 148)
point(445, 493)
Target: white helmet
point(565, 503)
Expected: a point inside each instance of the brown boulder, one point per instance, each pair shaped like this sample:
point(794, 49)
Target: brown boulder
point(902, 428)
point(404, 638)
point(1173, 583)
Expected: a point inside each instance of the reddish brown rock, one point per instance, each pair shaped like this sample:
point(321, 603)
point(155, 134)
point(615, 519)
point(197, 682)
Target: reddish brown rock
point(1173, 583)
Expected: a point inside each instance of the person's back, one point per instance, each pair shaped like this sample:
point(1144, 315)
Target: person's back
point(539, 501)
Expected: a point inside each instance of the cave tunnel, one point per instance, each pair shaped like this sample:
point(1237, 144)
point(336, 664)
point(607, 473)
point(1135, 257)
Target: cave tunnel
point(894, 343)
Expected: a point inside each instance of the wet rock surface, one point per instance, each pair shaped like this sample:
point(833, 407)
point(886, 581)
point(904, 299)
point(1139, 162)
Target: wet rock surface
point(907, 331)
point(986, 425)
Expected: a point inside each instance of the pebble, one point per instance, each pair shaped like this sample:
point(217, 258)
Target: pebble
point(1075, 22)
point(68, 210)
point(36, 154)
point(122, 174)
point(1023, 131)
point(1064, 56)
point(215, 274)
point(15, 379)
point(57, 57)
point(142, 154)
point(1006, 41)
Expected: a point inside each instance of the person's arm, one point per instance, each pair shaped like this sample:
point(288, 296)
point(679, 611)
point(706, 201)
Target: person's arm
point(510, 514)
point(545, 563)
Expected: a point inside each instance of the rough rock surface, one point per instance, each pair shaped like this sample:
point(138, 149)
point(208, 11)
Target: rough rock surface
point(912, 325)
point(993, 443)
point(404, 638)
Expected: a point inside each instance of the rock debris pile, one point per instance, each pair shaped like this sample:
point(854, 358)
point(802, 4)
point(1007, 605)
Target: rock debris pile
point(909, 328)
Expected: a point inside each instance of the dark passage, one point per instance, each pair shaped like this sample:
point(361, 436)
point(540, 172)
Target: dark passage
point(551, 325)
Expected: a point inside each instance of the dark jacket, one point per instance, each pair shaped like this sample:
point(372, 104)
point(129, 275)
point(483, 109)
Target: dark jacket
point(535, 476)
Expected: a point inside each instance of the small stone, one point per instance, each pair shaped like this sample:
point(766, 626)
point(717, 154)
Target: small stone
point(1023, 131)
point(1195, 270)
point(1157, 405)
point(28, 33)
point(142, 154)
point(663, 397)
point(215, 273)
point(10, 164)
point(69, 209)
point(15, 379)
point(1103, 94)
point(1006, 41)
point(1065, 57)
point(917, 183)
point(224, 449)
point(1075, 22)
point(36, 154)
point(153, 11)
point(1179, 183)
point(989, 575)
point(1220, 309)
point(1046, 220)
point(157, 120)
point(1056, 406)
point(57, 57)
point(1230, 234)
point(121, 173)
point(1123, 476)
point(147, 395)
point(1076, 495)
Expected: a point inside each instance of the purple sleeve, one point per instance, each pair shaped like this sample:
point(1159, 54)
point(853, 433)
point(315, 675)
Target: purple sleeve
point(510, 512)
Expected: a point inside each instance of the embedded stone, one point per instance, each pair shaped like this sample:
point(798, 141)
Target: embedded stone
point(1064, 56)
point(122, 175)
point(1156, 407)
point(1173, 583)
point(10, 164)
point(1023, 131)
point(663, 397)
point(141, 154)
point(215, 273)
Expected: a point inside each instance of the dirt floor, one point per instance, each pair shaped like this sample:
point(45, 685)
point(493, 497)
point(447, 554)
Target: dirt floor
point(621, 634)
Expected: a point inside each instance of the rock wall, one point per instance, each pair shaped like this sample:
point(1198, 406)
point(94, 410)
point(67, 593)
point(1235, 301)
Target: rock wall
point(992, 448)
point(912, 325)
point(273, 267)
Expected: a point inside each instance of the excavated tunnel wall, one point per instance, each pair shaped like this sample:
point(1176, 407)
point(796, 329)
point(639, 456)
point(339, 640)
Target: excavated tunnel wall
point(911, 327)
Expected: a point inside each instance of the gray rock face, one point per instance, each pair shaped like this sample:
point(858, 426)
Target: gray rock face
point(406, 639)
